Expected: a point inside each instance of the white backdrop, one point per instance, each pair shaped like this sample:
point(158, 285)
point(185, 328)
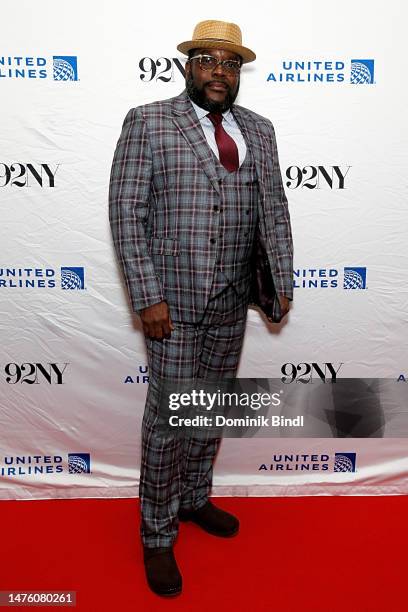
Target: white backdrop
point(68, 76)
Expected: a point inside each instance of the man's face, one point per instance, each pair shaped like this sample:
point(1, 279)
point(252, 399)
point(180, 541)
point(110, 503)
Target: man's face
point(215, 90)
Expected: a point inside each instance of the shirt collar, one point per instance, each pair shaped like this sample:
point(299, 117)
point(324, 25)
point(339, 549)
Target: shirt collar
point(202, 112)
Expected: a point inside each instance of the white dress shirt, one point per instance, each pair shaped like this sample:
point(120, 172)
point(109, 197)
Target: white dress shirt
point(230, 126)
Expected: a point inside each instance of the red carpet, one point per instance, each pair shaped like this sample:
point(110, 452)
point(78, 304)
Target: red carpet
point(312, 554)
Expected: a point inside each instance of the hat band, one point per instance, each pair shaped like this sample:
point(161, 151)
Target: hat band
point(218, 40)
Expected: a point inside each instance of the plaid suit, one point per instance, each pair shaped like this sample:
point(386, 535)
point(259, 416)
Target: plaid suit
point(165, 185)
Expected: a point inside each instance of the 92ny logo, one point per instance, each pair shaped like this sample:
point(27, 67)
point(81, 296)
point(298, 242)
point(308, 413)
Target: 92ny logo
point(304, 372)
point(314, 177)
point(23, 175)
point(161, 69)
point(35, 373)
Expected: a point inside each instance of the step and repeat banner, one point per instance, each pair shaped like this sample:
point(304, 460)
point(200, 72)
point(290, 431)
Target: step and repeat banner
point(73, 370)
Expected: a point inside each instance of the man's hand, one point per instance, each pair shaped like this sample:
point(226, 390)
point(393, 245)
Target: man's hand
point(156, 321)
point(284, 304)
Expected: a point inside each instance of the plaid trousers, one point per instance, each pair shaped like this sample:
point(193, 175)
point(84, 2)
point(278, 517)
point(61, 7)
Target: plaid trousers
point(176, 472)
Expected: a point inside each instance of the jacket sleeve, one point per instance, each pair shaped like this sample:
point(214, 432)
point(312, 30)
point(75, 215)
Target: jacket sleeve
point(281, 221)
point(129, 192)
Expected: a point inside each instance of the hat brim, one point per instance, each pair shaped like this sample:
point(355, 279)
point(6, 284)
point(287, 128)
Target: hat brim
point(209, 43)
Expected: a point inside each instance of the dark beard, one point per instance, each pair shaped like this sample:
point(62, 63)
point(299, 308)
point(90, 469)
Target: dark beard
point(199, 97)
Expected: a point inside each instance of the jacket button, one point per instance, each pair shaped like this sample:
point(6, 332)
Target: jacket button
point(213, 240)
point(247, 211)
point(216, 208)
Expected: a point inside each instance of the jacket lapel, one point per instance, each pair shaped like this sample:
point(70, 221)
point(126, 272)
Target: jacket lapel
point(253, 140)
point(185, 118)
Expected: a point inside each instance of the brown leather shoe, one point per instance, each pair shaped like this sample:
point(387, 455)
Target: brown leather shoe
point(212, 519)
point(162, 573)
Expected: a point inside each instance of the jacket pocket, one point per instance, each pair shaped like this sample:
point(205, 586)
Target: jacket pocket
point(164, 246)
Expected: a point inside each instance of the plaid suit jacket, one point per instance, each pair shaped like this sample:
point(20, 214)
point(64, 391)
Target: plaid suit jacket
point(163, 187)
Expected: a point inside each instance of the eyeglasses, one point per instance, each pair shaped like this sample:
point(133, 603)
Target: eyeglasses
point(209, 62)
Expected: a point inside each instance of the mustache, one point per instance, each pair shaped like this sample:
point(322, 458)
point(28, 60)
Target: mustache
point(226, 85)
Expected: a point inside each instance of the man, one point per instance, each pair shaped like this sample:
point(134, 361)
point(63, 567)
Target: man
point(195, 190)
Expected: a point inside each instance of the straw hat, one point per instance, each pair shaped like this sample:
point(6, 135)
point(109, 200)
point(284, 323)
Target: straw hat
point(218, 35)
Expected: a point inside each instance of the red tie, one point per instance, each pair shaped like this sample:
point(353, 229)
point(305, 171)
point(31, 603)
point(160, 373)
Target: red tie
point(227, 148)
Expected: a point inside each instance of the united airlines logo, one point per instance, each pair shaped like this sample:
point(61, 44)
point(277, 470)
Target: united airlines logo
point(355, 278)
point(57, 67)
point(330, 278)
point(355, 71)
point(65, 68)
point(345, 462)
point(72, 278)
point(305, 462)
point(79, 463)
point(42, 278)
point(362, 71)
point(38, 465)
point(140, 377)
